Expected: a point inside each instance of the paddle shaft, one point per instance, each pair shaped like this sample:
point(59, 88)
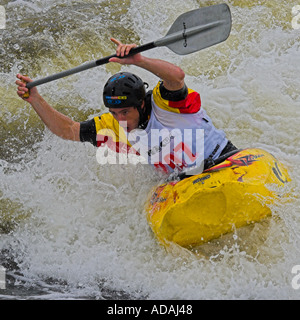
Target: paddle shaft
point(88, 65)
point(160, 42)
point(192, 31)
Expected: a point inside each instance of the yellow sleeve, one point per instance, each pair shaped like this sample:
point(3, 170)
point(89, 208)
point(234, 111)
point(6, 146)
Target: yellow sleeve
point(108, 126)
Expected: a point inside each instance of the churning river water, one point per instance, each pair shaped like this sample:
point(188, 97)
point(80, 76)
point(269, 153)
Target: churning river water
point(71, 228)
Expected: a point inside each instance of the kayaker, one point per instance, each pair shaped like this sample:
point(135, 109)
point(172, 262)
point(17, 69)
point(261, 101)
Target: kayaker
point(170, 105)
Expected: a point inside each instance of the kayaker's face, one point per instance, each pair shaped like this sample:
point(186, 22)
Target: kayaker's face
point(129, 117)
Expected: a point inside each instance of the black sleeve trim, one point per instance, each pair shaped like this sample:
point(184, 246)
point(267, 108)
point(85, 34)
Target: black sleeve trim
point(176, 95)
point(88, 131)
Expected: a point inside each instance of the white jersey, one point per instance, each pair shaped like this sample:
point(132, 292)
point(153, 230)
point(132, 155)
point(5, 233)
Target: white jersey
point(179, 134)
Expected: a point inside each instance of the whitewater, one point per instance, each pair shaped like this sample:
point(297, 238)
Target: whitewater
point(73, 229)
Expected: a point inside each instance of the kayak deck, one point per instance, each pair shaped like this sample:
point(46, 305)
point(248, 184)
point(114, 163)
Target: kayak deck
point(229, 195)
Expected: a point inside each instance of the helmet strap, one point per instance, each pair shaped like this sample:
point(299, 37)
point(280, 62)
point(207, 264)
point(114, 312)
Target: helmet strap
point(145, 111)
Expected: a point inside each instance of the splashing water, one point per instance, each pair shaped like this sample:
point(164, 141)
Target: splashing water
point(71, 228)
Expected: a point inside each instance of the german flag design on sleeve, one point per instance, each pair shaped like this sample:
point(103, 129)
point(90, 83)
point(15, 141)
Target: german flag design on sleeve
point(109, 132)
point(190, 104)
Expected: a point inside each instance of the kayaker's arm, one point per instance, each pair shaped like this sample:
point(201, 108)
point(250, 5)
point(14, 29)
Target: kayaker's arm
point(172, 76)
point(57, 122)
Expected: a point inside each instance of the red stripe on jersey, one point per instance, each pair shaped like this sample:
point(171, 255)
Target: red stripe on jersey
point(191, 104)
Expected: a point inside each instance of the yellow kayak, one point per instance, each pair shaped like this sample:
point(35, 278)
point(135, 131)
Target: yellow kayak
point(229, 195)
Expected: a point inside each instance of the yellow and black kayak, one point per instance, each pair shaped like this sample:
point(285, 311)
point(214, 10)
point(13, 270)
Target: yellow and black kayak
point(231, 194)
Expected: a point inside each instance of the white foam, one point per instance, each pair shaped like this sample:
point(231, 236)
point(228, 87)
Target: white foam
point(87, 229)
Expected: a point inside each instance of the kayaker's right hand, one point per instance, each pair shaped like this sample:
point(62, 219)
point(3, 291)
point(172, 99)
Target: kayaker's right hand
point(21, 83)
point(122, 51)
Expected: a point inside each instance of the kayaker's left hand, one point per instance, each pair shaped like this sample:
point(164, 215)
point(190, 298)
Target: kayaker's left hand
point(123, 50)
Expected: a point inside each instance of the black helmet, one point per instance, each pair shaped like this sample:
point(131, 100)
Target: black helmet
point(124, 89)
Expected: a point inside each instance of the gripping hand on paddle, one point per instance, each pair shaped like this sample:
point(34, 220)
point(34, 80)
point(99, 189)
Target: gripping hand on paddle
point(24, 92)
point(122, 51)
point(171, 75)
